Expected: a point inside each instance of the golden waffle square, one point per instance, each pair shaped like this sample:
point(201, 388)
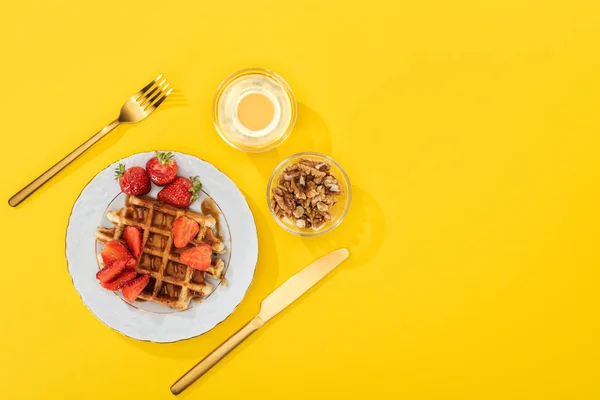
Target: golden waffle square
point(171, 283)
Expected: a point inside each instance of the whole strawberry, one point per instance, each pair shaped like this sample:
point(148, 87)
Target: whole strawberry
point(162, 168)
point(181, 192)
point(133, 181)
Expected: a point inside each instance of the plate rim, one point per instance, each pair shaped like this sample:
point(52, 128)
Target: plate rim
point(245, 291)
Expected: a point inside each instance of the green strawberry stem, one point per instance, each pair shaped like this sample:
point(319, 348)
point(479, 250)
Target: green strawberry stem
point(164, 158)
point(196, 187)
point(119, 171)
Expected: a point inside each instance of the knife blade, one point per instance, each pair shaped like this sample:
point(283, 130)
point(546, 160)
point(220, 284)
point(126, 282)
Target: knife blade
point(272, 305)
point(298, 284)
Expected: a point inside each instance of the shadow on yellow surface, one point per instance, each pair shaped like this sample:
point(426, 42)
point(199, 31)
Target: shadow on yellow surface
point(177, 98)
point(362, 232)
point(109, 141)
point(310, 134)
point(264, 282)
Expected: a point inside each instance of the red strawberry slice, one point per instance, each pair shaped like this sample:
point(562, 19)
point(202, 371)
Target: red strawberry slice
point(133, 238)
point(131, 263)
point(119, 280)
point(114, 251)
point(132, 289)
point(111, 271)
point(198, 257)
point(184, 230)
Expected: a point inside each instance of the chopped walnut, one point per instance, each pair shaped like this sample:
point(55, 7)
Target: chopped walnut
point(322, 206)
point(298, 212)
point(305, 193)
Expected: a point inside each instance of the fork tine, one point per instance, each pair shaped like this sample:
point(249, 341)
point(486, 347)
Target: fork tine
point(147, 87)
point(158, 103)
point(150, 93)
point(157, 96)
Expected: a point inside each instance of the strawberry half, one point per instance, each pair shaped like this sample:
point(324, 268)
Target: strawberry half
point(198, 257)
point(181, 192)
point(111, 271)
point(162, 169)
point(133, 181)
point(133, 238)
point(132, 289)
point(184, 230)
point(121, 279)
point(114, 251)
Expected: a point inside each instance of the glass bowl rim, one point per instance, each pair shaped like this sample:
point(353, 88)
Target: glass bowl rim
point(262, 71)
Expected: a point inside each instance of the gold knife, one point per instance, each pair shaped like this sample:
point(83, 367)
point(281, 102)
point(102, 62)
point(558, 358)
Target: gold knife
point(282, 297)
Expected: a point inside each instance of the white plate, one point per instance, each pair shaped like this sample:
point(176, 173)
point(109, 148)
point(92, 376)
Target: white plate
point(145, 321)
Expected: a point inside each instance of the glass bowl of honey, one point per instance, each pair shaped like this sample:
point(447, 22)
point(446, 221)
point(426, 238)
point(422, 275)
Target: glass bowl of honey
point(254, 110)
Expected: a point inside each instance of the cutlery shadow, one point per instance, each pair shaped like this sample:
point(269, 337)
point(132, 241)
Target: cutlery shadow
point(362, 231)
point(264, 282)
point(109, 140)
point(258, 335)
point(310, 134)
point(177, 98)
point(195, 390)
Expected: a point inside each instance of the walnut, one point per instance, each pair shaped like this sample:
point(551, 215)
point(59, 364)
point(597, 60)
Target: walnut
point(318, 223)
point(305, 193)
point(311, 189)
point(322, 206)
point(322, 167)
point(312, 171)
point(308, 161)
point(299, 192)
point(288, 176)
point(298, 212)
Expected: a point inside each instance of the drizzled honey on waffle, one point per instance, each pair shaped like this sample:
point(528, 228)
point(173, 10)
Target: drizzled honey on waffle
point(171, 283)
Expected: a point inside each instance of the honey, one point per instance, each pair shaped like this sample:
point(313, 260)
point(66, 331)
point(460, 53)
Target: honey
point(254, 110)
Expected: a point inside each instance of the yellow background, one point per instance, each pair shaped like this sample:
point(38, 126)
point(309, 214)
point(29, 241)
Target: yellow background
point(470, 132)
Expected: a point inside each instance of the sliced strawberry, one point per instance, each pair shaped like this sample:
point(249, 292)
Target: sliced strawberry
point(184, 230)
point(113, 251)
point(120, 280)
point(198, 257)
point(133, 238)
point(132, 289)
point(111, 271)
point(131, 263)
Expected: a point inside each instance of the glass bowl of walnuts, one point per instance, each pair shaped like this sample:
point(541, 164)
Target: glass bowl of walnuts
point(309, 194)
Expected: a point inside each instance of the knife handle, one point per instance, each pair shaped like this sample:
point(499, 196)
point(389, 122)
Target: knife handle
point(213, 358)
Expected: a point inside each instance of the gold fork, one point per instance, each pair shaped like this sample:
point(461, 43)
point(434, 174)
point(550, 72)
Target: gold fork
point(137, 107)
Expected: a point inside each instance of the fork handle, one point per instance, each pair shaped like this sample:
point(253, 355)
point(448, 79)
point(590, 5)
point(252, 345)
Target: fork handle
point(56, 168)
